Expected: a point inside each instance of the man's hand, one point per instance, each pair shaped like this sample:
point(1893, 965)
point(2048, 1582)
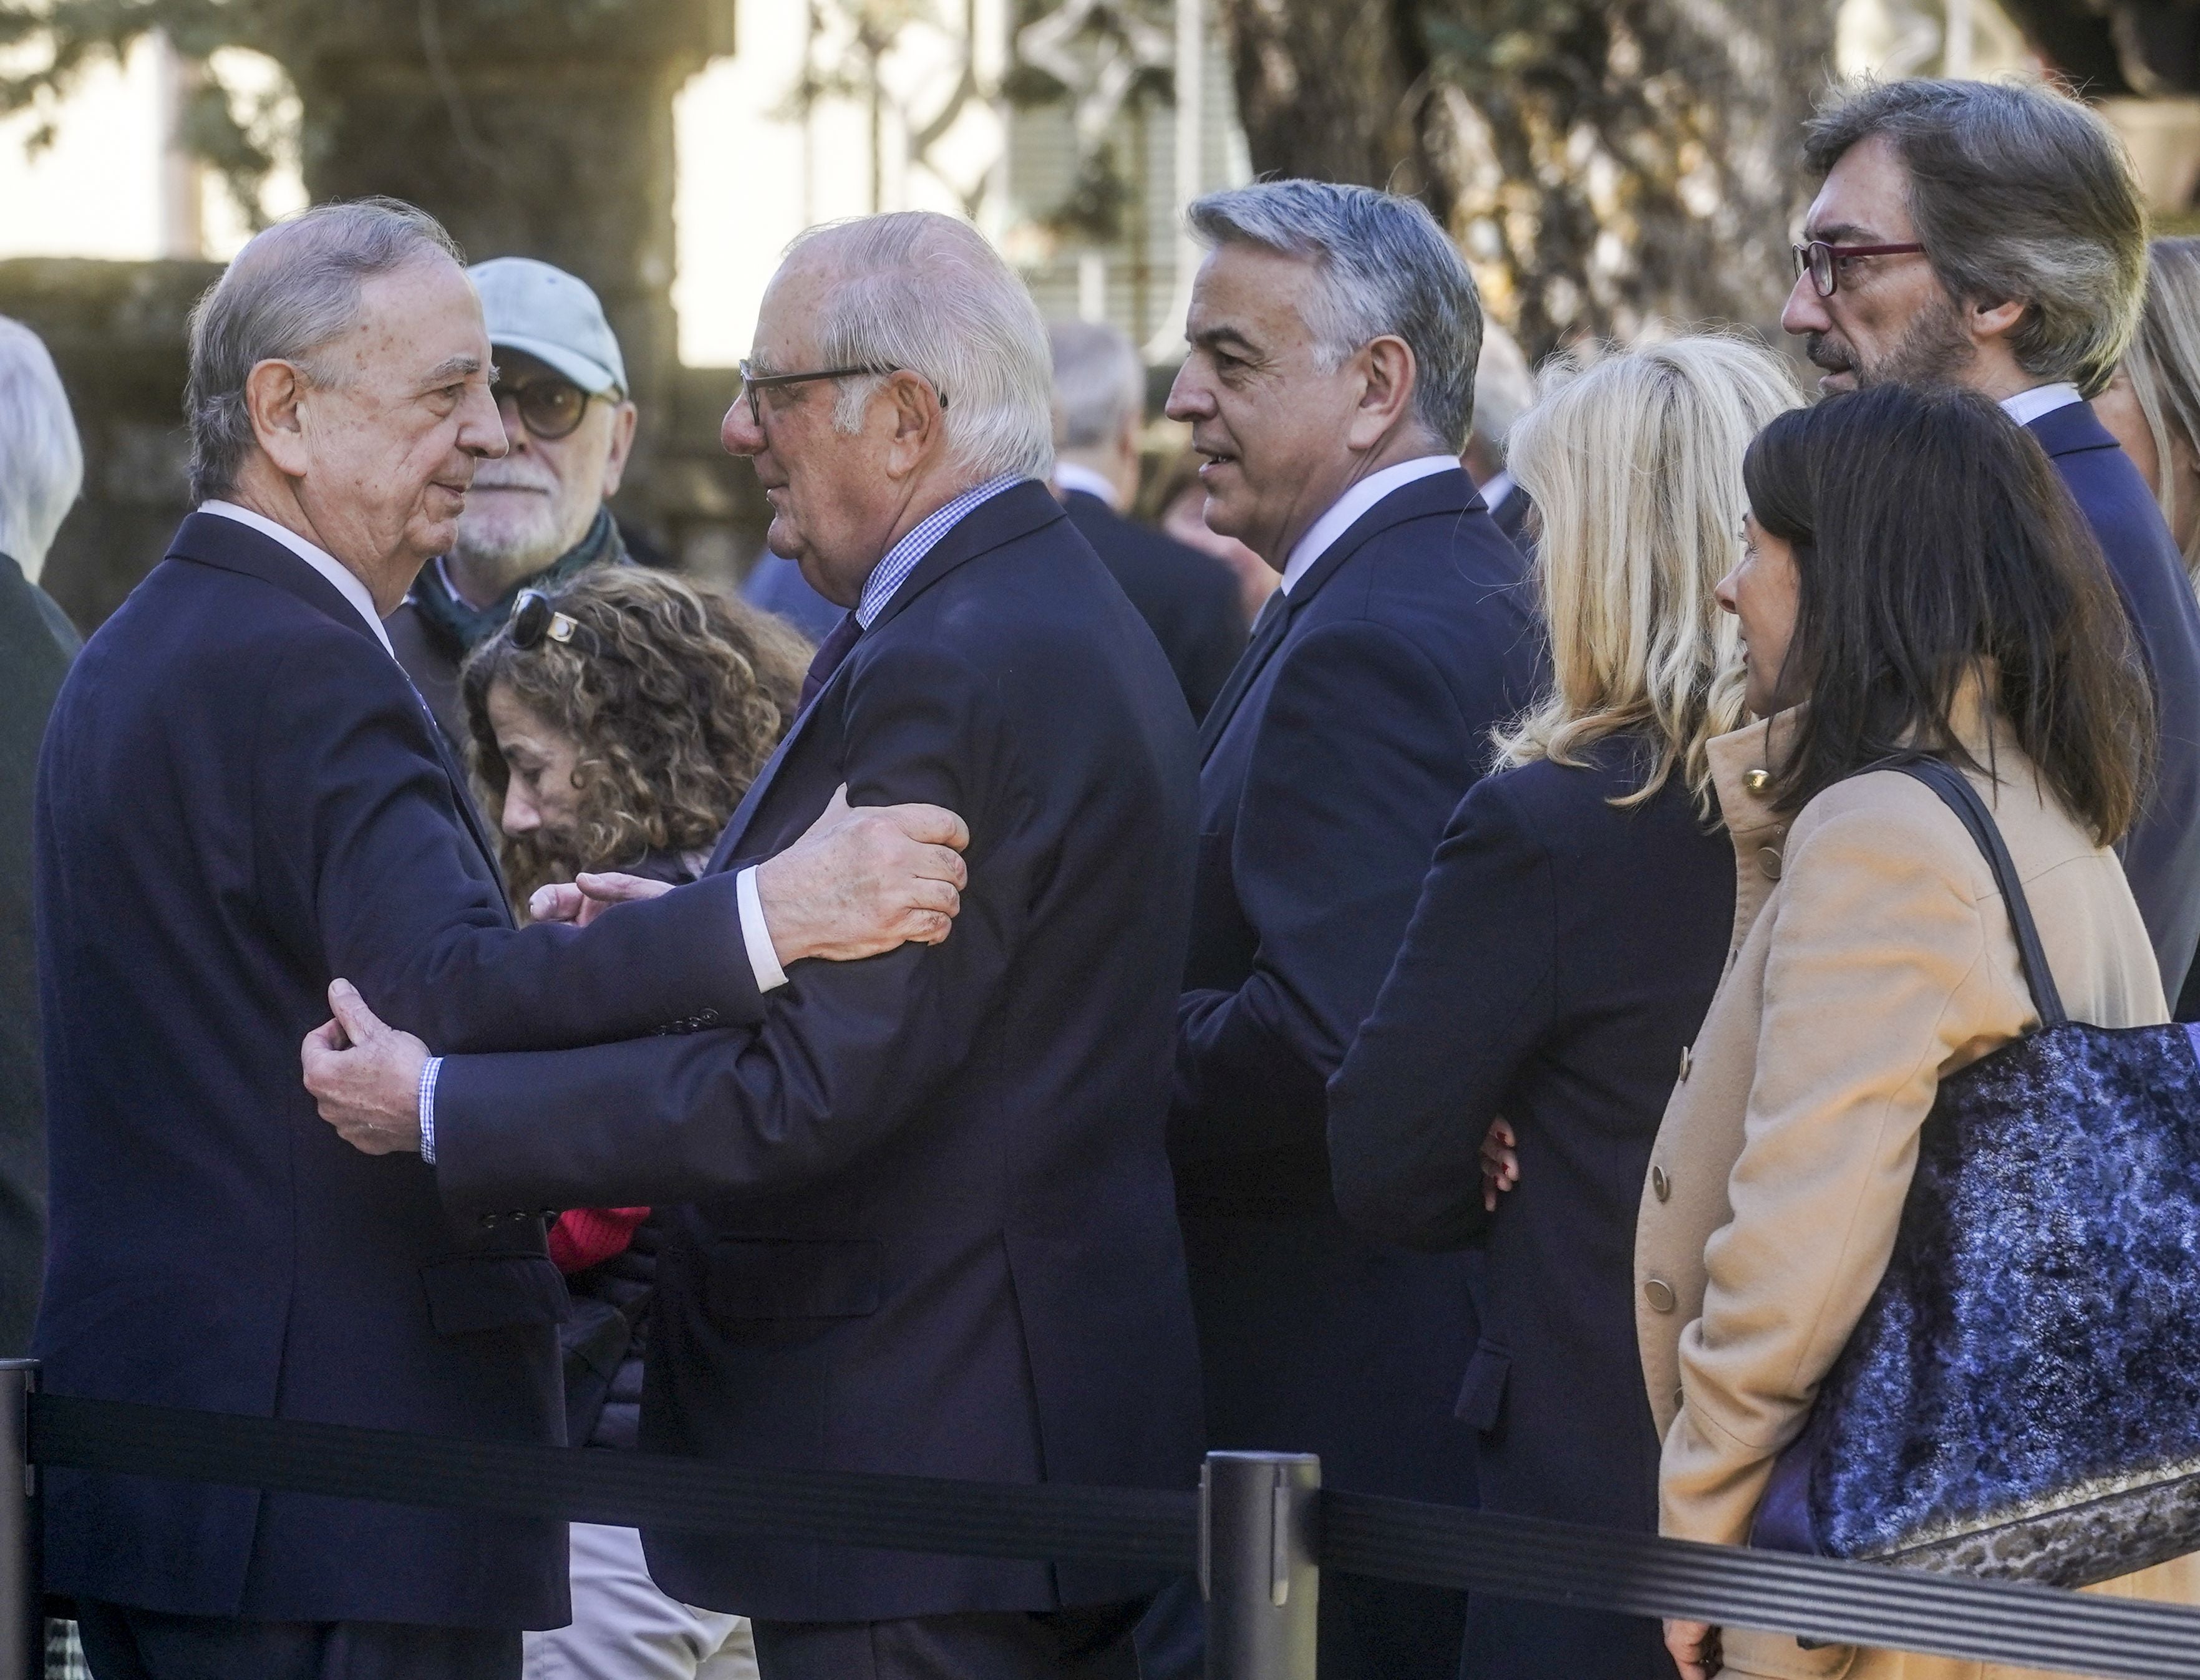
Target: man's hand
point(587, 895)
point(863, 882)
point(365, 1076)
point(1694, 1649)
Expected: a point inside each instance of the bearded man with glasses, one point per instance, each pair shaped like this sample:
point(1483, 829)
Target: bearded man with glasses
point(536, 516)
point(1993, 236)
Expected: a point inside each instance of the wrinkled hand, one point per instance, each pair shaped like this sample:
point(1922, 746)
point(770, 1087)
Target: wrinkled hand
point(859, 883)
point(1694, 1649)
point(1500, 1165)
point(365, 1076)
point(587, 895)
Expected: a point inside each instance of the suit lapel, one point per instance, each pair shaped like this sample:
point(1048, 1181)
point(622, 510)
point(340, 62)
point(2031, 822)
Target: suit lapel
point(229, 546)
point(1448, 491)
point(1015, 512)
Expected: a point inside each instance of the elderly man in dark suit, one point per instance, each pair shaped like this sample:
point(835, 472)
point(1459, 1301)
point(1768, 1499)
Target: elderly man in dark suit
point(930, 1226)
point(1188, 598)
point(1994, 235)
point(41, 469)
point(241, 797)
point(1330, 385)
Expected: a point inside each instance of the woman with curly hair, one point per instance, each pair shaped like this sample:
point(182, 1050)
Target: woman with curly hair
point(617, 722)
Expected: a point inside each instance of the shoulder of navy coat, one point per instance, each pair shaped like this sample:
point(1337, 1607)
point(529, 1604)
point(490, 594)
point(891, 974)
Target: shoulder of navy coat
point(2162, 855)
point(928, 1223)
point(1331, 767)
point(1189, 599)
point(1563, 953)
point(240, 799)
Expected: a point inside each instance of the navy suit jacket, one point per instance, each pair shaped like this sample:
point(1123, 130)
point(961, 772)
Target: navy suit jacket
point(2161, 856)
point(929, 1225)
point(1563, 952)
point(1189, 599)
point(241, 797)
point(1345, 740)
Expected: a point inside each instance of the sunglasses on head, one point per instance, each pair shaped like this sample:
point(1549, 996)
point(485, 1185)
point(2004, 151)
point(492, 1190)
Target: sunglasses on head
point(535, 620)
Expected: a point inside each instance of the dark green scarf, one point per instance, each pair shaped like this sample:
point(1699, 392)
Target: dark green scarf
point(469, 625)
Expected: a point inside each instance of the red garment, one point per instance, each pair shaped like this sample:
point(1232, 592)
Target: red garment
point(586, 1237)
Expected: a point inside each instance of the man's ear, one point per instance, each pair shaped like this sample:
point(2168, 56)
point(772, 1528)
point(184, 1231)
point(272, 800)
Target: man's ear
point(914, 409)
point(623, 419)
point(1995, 320)
point(1386, 397)
point(272, 391)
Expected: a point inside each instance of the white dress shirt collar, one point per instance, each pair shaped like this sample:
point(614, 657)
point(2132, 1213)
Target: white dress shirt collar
point(1069, 476)
point(1345, 512)
point(1499, 488)
point(319, 559)
point(2026, 406)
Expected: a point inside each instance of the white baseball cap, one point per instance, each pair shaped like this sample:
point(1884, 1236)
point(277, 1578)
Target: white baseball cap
point(551, 316)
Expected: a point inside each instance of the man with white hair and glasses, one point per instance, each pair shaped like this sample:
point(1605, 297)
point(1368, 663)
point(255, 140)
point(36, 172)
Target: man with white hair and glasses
point(241, 798)
point(929, 1224)
point(535, 515)
point(1330, 387)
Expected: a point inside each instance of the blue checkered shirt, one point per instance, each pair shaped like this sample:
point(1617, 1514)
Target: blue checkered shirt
point(891, 573)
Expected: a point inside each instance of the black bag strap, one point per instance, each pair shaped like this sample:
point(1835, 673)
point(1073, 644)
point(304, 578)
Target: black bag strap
point(1958, 794)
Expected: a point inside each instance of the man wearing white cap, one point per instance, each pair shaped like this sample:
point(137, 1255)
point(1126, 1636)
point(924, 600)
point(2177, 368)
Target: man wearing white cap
point(535, 516)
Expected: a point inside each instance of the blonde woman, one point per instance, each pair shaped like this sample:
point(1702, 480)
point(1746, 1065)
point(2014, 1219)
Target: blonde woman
point(1569, 939)
point(2153, 405)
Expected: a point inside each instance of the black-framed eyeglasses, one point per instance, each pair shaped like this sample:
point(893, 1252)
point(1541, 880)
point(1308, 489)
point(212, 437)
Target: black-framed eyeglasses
point(550, 407)
point(752, 382)
point(535, 620)
point(1822, 261)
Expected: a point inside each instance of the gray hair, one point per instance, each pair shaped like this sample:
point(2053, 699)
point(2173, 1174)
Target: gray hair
point(918, 290)
point(41, 458)
point(294, 287)
point(1099, 382)
point(2018, 191)
point(1504, 387)
point(1386, 269)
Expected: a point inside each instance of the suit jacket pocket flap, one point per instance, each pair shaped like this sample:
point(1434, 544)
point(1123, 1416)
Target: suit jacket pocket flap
point(802, 1278)
point(493, 1292)
point(1482, 1395)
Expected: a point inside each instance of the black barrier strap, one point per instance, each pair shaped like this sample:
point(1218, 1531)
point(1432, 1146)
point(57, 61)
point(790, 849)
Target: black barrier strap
point(1394, 1539)
point(1816, 1598)
point(629, 1490)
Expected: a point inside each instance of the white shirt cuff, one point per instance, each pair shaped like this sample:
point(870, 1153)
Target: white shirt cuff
point(762, 960)
point(434, 1066)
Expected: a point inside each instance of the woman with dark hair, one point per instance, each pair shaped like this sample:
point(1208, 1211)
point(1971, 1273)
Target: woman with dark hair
point(617, 722)
point(1913, 579)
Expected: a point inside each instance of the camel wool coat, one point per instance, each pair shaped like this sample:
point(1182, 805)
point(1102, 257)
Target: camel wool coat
point(1871, 959)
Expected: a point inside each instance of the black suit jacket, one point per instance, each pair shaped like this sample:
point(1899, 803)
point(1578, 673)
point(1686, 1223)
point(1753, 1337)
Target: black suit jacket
point(36, 642)
point(240, 798)
point(930, 1225)
point(2162, 855)
point(1189, 599)
point(1563, 953)
point(1511, 514)
point(1347, 737)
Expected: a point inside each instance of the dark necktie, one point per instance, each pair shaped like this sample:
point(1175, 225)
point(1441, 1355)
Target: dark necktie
point(830, 652)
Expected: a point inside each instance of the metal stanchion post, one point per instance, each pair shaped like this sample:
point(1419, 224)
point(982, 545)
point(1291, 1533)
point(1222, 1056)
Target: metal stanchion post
point(1256, 1564)
point(22, 1614)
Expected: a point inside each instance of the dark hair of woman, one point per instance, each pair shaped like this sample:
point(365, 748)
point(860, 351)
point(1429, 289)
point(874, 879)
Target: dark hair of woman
point(676, 695)
point(1934, 540)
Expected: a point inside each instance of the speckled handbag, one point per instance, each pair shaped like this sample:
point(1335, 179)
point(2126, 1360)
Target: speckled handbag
point(2021, 1399)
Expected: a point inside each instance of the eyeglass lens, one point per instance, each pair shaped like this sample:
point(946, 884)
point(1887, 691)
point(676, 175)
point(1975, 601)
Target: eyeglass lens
point(550, 408)
point(531, 619)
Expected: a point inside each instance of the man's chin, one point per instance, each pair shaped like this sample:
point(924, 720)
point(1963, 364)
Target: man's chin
point(1835, 384)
